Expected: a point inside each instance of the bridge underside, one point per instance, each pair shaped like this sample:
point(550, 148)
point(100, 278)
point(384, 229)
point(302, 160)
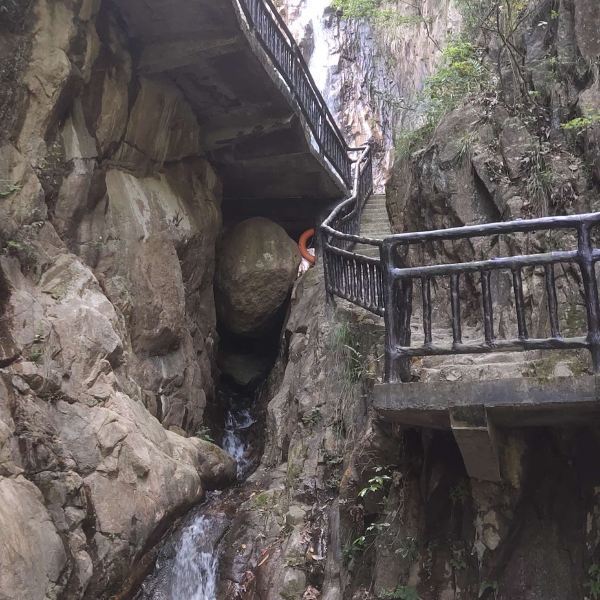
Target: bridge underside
point(251, 131)
point(476, 410)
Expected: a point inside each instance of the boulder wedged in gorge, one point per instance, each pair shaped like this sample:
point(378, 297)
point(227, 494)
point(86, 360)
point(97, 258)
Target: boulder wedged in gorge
point(256, 267)
point(109, 214)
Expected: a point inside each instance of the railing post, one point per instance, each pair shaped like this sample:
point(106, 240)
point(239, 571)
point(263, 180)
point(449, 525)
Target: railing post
point(322, 246)
point(397, 315)
point(590, 286)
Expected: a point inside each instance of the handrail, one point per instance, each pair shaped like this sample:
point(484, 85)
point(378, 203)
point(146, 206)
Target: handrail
point(277, 41)
point(385, 285)
point(400, 278)
point(349, 274)
point(502, 227)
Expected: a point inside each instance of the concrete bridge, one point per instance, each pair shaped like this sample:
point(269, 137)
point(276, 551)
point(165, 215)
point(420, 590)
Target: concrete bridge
point(266, 127)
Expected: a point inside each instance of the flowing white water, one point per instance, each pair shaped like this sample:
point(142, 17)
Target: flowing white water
point(196, 566)
point(320, 59)
point(195, 570)
point(320, 55)
point(237, 420)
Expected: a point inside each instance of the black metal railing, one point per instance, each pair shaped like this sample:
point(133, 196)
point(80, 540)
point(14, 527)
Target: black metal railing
point(386, 285)
point(349, 274)
point(400, 280)
point(275, 38)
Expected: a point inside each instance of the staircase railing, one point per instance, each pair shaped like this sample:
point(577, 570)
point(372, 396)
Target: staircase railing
point(348, 274)
point(386, 285)
point(400, 280)
point(278, 42)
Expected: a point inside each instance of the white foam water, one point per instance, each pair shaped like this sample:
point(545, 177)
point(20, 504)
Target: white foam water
point(235, 422)
point(320, 59)
point(196, 567)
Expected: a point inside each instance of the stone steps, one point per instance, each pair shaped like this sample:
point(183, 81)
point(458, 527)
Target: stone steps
point(374, 224)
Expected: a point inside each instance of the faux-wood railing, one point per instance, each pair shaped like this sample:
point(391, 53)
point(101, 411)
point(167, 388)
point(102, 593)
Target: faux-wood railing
point(276, 39)
point(386, 285)
point(399, 281)
point(349, 274)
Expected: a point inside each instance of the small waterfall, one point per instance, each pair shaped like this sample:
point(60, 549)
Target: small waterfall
point(237, 421)
point(320, 59)
point(196, 566)
point(187, 567)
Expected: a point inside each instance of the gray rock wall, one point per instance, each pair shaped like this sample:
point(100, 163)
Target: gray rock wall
point(377, 68)
point(108, 221)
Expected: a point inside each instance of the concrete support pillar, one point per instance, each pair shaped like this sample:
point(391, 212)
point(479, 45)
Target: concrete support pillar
point(476, 439)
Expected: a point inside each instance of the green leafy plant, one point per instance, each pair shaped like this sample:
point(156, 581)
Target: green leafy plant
point(457, 561)
point(24, 252)
point(408, 549)
point(36, 354)
point(8, 188)
point(376, 483)
point(345, 346)
point(354, 548)
point(402, 592)
point(593, 583)
point(460, 73)
point(376, 528)
point(363, 9)
point(312, 418)
point(580, 124)
point(262, 501)
point(204, 434)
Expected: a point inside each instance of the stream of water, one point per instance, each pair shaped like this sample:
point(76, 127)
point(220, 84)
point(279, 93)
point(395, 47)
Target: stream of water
point(196, 566)
point(320, 57)
point(187, 567)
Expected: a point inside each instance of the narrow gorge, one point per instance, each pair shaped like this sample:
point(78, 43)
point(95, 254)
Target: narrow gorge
point(197, 405)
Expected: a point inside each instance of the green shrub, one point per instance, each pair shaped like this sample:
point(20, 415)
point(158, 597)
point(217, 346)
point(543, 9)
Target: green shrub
point(460, 73)
point(580, 124)
point(375, 11)
point(402, 592)
point(593, 583)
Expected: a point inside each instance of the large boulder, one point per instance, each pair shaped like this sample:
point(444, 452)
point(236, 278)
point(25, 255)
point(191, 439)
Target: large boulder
point(256, 267)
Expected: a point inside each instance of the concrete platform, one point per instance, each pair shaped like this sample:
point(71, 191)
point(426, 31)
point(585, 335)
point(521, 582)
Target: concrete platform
point(474, 409)
point(253, 129)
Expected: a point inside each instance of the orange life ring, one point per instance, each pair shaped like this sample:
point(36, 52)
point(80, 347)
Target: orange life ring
point(302, 244)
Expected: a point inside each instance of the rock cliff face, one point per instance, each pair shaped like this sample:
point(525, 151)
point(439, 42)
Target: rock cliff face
point(108, 227)
point(502, 155)
point(108, 220)
point(371, 72)
point(525, 145)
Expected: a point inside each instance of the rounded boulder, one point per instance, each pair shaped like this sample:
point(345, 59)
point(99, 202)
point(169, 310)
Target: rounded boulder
point(257, 265)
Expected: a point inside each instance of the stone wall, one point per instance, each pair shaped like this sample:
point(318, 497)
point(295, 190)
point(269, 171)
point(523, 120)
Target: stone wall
point(109, 215)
